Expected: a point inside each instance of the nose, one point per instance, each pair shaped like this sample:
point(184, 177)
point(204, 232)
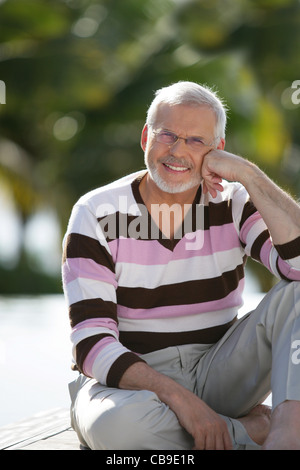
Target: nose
point(180, 147)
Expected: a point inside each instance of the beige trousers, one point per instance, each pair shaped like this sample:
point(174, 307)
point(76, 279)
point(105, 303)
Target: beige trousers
point(255, 356)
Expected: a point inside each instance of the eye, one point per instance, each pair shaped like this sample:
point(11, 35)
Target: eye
point(167, 137)
point(168, 134)
point(196, 141)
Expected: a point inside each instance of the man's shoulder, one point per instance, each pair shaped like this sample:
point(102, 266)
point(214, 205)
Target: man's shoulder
point(109, 192)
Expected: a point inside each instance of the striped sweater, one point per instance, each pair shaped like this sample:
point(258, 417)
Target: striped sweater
point(130, 290)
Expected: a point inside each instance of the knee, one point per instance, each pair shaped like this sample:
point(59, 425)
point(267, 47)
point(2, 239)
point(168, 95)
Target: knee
point(283, 303)
point(290, 290)
point(296, 286)
point(288, 284)
point(286, 291)
point(122, 426)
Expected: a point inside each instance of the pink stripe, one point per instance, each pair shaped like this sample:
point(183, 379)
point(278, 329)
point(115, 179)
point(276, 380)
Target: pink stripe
point(223, 238)
point(265, 253)
point(288, 271)
point(248, 225)
point(94, 352)
point(96, 323)
point(129, 250)
point(232, 300)
point(88, 269)
point(285, 268)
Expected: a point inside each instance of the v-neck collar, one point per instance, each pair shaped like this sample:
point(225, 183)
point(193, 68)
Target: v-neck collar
point(169, 243)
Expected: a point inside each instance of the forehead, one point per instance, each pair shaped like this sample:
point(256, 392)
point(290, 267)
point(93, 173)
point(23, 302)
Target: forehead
point(186, 119)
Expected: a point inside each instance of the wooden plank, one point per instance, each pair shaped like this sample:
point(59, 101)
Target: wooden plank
point(64, 440)
point(49, 430)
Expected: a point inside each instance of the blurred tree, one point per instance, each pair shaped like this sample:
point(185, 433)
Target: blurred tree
point(80, 74)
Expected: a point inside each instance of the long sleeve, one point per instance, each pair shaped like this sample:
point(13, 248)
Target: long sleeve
point(281, 260)
point(90, 284)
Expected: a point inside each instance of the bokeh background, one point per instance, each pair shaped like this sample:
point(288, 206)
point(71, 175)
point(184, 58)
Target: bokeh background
point(76, 79)
point(79, 76)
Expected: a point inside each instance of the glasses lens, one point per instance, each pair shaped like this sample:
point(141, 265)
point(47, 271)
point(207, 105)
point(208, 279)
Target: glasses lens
point(169, 138)
point(166, 137)
point(195, 142)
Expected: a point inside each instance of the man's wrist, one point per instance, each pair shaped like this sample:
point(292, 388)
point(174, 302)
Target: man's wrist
point(249, 174)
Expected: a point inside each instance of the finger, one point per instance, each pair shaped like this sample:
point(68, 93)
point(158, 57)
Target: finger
point(199, 443)
point(228, 444)
point(216, 178)
point(212, 192)
point(218, 187)
point(210, 442)
point(220, 444)
point(213, 188)
point(227, 441)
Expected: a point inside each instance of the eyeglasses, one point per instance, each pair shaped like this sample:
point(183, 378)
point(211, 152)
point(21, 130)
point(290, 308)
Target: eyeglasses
point(170, 138)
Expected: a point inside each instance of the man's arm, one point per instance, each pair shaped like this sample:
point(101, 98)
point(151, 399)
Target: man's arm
point(205, 426)
point(279, 211)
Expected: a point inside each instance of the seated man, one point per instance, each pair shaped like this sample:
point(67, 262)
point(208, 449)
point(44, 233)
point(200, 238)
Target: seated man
point(153, 274)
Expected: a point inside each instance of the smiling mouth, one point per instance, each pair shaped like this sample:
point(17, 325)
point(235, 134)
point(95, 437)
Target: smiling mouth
point(179, 169)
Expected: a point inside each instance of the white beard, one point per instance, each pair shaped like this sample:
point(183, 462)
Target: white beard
point(172, 188)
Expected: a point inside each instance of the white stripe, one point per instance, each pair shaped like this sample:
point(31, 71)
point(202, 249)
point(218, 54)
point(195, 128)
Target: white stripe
point(179, 324)
point(105, 359)
point(83, 333)
point(294, 262)
point(197, 268)
point(84, 222)
point(253, 233)
point(84, 289)
point(273, 256)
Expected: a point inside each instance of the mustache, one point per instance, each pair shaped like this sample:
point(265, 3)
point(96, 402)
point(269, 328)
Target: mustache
point(179, 161)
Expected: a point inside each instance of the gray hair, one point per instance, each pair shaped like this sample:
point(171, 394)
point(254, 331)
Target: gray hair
point(192, 94)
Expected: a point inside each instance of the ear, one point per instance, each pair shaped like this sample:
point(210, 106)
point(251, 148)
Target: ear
point(144, 137)
point(221, 144)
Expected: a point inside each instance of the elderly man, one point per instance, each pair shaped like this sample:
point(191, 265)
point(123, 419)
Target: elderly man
point(153, 273)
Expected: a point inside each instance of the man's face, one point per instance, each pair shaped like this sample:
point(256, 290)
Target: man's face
point(177, 168)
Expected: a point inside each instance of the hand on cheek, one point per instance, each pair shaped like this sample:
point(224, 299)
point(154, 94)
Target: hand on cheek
point(211, 181)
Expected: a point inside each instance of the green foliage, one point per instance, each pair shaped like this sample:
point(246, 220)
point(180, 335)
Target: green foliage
point(80, 75)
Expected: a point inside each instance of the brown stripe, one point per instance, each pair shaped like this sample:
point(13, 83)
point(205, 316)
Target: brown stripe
point(258, 244)
point(82, 246)
point(92, 308)
point(249, 209)
point(118, 225)
point(84, 347)
point(143, 227)
point(280, 273)
point(183, 293)
point(119, 367)
point(216, 214)
point(289, 250)
point(145, 342)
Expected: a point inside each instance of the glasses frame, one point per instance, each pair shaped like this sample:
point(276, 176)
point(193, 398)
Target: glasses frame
point(157, 132)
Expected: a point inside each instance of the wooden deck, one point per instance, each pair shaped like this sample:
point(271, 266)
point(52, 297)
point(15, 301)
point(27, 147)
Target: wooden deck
point(50, 430)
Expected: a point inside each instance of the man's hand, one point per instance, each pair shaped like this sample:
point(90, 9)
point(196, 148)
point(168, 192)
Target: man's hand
point(209, 431)
point(218, 164)
point(279, 211)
